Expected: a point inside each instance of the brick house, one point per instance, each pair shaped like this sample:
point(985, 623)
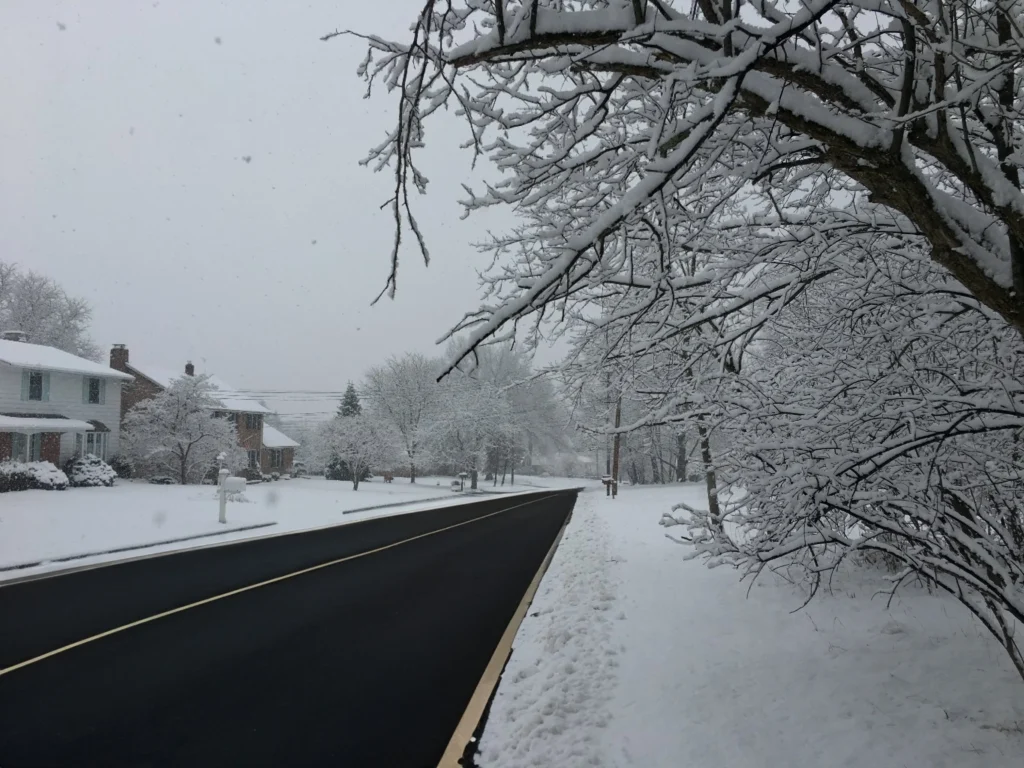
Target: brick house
point(55, 405)
point(247, 414)
point(278, 451)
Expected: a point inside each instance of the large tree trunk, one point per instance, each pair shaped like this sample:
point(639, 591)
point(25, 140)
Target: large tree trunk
point(472, 480)
point(412, 471)
point(184, 469)
point(709, 472)
point(355, 478)
point(681, 457)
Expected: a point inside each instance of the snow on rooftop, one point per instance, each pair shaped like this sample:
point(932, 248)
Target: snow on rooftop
point(29, 424)
point(36, 356)
point(230, 400)
point(272, 438)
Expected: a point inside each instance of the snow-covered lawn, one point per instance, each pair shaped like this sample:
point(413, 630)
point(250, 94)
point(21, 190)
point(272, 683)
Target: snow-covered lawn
point(43, 525)
point(633, 656)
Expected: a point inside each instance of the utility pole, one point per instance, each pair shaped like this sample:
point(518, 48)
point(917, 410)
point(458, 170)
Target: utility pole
point(615, 460)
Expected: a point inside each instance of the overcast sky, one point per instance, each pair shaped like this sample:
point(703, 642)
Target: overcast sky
point(124, 175)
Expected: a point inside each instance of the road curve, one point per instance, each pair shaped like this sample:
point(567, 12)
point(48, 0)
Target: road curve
point(369, 661)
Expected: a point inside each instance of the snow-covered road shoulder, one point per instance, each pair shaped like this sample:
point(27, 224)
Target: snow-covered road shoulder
point(554, 692)
point(634, 657)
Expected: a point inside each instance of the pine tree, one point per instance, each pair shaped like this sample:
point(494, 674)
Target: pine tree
point(350, 405)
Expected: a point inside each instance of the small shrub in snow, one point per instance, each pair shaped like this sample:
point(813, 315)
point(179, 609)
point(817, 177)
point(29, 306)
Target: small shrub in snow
point(253, 475)
point(122, 466)
point(21, 476)
point(89, 472)
point(162, 480)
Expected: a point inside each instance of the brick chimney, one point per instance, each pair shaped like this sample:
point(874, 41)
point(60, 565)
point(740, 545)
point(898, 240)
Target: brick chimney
point(119, 357)
point(190, 370)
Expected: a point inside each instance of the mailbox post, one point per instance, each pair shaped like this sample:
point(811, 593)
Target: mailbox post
point(228, 485)
point(611, 488)
point(222, 476)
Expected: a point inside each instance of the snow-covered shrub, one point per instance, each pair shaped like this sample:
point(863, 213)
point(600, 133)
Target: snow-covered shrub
point(253, 475)
point(122, 467)
point(21, 476)
point(89, 471)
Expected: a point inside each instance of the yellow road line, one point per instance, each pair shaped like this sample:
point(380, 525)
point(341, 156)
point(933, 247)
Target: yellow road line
point(492, 672)
point(257, 585)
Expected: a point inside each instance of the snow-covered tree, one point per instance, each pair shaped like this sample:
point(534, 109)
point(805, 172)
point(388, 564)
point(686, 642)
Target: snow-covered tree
point(358, 441)
point(404, 392)
point(470, 417)
point(916, 110)
point(177, 433)
point(793, 229)
point(350, 405)
point(536, 418)
point(37, 305)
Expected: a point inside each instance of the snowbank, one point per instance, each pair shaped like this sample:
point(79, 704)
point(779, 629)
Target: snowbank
point(632, 656)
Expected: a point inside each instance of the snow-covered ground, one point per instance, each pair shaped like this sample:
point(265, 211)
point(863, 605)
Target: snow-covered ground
point(45, 525)
point(633, 656)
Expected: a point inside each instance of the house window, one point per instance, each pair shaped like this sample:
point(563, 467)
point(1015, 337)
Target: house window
point(253, 421)
point(35, 447)
point(36, 386)
point(275, 457)
point(92, 444)
point(19, 447)
point(92, 394)
point(254, 459)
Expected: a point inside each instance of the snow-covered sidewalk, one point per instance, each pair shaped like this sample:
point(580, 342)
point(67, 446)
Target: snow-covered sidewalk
point(43, 526)
point(633, 656)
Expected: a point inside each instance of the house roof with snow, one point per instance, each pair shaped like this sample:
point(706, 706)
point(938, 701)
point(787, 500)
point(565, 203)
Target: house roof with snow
point(228, 397)
point(272, 438)
point(28, 424)
point(21, 354)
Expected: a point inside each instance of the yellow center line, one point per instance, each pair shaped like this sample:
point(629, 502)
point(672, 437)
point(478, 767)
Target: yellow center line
point(240, 590)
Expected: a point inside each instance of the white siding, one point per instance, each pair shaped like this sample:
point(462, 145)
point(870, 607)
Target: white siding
point(66, 400)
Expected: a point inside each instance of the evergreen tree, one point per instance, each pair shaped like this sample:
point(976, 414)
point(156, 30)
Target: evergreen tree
point(350, 405)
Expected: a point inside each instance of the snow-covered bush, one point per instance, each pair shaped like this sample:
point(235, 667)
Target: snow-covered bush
point(122, 467)
point(21, 476)
point(89, 471)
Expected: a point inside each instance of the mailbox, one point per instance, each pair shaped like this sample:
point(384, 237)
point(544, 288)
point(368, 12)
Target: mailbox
point(234, 484)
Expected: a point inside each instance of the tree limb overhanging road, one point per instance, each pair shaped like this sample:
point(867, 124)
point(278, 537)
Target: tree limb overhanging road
point(356, 645)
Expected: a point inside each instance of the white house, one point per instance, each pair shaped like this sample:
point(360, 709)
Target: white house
point(55, 405)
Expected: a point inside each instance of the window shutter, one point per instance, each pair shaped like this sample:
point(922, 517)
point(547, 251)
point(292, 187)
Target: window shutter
point(46, 387)
point(85, 390)
point(103, 391)
point(24, 384)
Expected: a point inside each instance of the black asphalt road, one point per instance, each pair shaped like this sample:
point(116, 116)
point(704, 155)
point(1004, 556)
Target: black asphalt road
point(369, 662)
